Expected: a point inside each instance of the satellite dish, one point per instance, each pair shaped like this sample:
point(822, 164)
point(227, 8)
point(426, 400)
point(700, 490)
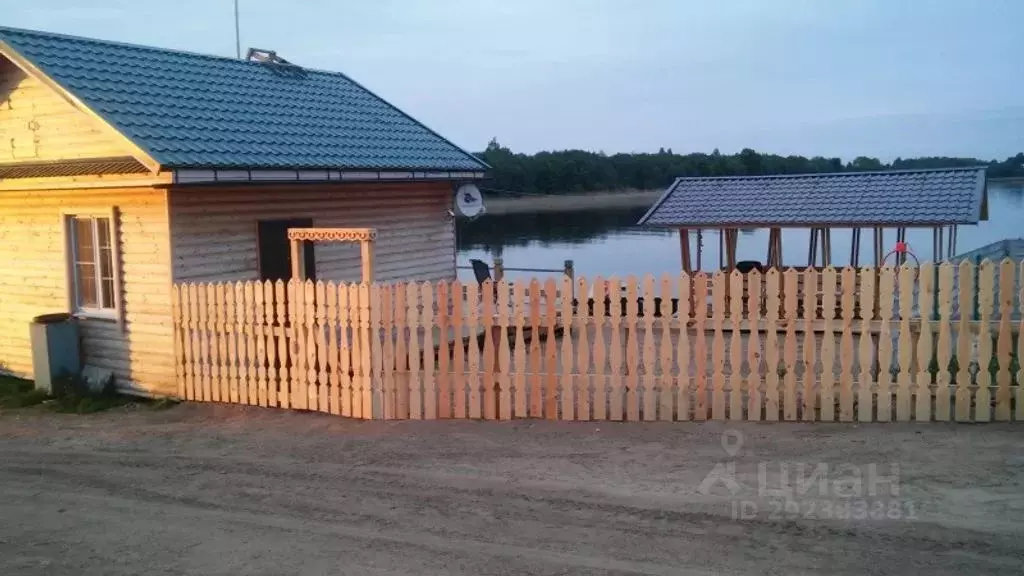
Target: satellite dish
point(468, 201)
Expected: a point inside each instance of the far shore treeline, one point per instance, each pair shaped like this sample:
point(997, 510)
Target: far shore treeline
point(574, 171)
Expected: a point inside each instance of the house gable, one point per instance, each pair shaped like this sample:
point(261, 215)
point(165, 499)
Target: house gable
point(39, 126)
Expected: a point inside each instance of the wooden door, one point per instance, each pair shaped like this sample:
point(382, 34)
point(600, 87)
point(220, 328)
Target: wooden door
point(275, 262)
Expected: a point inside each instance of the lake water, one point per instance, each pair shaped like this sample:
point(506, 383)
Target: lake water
point(607, 242)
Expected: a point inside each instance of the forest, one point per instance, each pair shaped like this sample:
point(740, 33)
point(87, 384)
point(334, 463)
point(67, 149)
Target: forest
point(574, 171)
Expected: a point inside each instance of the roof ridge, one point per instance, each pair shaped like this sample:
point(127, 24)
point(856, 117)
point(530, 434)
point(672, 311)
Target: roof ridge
point(150, 48)
point(119, 43)
point(825, 174)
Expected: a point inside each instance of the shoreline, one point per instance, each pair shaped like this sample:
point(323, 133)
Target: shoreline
point(499, 205)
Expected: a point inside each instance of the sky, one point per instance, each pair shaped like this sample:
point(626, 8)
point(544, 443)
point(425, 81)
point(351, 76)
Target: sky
point(843, 78)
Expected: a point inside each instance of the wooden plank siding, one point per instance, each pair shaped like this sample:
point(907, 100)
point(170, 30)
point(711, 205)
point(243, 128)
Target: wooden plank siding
point(37, 124)
point(214, 229)
point(34, 280)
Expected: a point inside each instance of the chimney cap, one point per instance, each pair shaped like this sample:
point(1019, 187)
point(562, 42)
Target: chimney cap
point(262, 55)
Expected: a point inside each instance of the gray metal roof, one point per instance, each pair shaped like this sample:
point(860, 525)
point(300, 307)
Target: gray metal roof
point(996, 252)
point(194, 111)
point(844, 199)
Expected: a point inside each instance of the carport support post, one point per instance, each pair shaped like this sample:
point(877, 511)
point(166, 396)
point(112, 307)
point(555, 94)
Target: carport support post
point(684, 249)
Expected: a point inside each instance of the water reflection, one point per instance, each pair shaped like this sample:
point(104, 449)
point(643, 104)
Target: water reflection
point(607, 242)
point(493, 233)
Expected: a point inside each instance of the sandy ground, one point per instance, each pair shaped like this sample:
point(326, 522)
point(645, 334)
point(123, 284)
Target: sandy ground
point(231, 490)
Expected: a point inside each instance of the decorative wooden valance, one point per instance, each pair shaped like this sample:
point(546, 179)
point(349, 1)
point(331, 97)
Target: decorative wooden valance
point(333, 234)
point(364, 236)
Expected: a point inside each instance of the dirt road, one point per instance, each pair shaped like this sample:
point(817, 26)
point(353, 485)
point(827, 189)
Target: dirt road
point(216, 490)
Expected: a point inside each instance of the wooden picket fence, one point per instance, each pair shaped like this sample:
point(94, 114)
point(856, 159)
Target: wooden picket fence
point(929, 343)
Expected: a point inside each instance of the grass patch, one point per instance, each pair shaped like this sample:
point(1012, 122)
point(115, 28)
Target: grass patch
point(18, 393)
point(72, 397)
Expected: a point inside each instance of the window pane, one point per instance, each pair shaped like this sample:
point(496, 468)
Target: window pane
point(108, 292)
point(85, 284)
point(84, 240)
point(106, 262)
point(103, 225)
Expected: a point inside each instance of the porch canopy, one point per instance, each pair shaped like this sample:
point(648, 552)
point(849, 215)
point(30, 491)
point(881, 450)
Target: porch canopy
point(940, 199)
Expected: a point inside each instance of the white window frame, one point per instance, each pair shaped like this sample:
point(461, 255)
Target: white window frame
point(113, 313)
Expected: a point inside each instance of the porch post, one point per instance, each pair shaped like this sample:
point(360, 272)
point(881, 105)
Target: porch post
point(366, 253)
point(296, 263)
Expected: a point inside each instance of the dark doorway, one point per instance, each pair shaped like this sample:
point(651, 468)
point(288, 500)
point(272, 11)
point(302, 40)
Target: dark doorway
point(275, 258)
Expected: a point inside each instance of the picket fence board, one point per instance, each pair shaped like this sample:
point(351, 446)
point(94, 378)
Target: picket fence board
point(584, 378)
point(519, 364)
point(806, 370)
point(1004, 377)
point(700, 354)
point(791, 279)
point(847, 357)
point(278, 391)
point(906, 350)
point(684, 381)
point(754, 373)
point(648, 398)
point(600, 380)
point(886, 303)
point(568, 384)
point(944, 344)
point(772, 284)
point(490, 408)
point(664, 380)
point(719, 312)
point(1019, 397)
point(965, 350)
point(867, 348)
point(983, 393)
point(615, 369)
point(736, 296)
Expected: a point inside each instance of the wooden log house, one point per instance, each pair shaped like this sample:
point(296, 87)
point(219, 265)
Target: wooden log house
point(126, 169)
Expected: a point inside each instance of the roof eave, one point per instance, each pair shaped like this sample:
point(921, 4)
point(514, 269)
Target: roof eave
point(657, 204)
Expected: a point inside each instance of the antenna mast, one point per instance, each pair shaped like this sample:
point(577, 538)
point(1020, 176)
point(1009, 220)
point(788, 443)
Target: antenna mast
point(238, 38)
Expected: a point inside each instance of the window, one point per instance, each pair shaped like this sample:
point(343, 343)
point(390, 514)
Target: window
point(92, 265)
